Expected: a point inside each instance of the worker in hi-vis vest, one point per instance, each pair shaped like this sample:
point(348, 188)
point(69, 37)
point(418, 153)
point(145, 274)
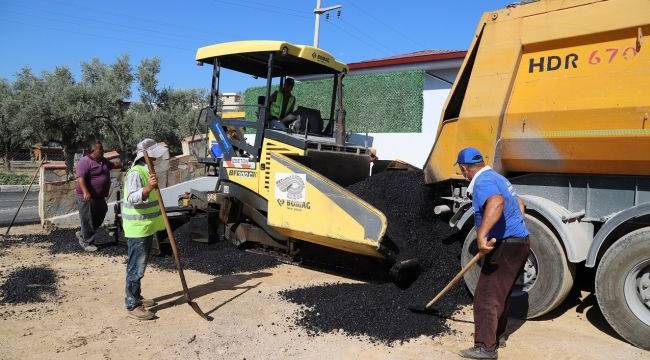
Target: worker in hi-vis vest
point(282, 105)
point(141, 219)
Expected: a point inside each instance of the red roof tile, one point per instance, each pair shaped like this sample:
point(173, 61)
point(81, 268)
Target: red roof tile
point(410, 58)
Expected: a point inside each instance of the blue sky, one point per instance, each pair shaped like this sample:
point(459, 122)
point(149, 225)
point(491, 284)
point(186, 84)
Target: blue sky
point(45, 33)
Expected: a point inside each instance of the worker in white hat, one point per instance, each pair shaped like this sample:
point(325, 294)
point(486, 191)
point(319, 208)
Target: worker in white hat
point(141, 219)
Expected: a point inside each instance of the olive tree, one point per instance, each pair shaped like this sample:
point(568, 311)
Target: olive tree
point(54, 106)
point(12, 132)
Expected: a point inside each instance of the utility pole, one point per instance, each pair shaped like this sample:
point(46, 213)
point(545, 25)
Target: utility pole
point(318, 11)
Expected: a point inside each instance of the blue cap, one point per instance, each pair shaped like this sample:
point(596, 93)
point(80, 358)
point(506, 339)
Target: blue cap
point(469, 155)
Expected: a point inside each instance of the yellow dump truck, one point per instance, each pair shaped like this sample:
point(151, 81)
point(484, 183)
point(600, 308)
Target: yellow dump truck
point(556, 95)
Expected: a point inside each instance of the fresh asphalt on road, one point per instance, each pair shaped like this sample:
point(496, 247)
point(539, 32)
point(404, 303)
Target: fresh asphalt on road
point(9, 202)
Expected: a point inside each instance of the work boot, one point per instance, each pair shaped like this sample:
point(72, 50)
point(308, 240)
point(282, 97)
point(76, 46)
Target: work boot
point(148, 302)
point(140, 313)
point(502, 342)
point(478, 352)
point(84, 245)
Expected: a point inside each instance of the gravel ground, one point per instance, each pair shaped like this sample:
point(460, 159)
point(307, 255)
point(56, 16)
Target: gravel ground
point(221, 258)
point(86, 319)
point(380, 309)
point(375, 308)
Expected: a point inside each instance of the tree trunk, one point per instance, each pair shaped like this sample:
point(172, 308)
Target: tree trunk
point(68, 154)
point(7, 157)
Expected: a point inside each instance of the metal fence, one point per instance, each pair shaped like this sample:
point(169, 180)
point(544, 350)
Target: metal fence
point(25, 160)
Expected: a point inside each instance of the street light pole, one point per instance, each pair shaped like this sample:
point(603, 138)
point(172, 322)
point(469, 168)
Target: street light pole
point(317, 24)
point(318, 11)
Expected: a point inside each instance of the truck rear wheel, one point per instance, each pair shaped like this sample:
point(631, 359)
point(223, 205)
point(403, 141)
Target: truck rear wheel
point(547, 276)
point(623, 287)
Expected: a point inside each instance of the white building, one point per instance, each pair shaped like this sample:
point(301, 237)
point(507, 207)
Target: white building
point(231, 101)
point(441, 68)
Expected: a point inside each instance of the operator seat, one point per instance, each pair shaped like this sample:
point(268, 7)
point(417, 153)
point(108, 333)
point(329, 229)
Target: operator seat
point(310, 118)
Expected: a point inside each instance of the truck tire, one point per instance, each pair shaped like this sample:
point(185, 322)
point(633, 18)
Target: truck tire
point(547, 277)
point(623, 287)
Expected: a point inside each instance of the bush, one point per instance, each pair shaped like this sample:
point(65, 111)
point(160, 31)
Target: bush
point(7, 178)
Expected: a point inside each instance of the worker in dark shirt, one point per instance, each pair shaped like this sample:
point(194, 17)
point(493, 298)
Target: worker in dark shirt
point(498, 214)
point(282, 104)
point(93, 186)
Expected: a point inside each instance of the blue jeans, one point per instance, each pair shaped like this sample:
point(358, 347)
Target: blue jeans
point(138, 254)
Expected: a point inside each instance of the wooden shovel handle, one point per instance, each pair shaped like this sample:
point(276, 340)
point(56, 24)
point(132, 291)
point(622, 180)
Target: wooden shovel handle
point(458, 276)
point(170, 232)
point(24, 196)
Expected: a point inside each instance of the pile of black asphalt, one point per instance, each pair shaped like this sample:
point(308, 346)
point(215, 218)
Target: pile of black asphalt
point(33, 284)
point(378, 308)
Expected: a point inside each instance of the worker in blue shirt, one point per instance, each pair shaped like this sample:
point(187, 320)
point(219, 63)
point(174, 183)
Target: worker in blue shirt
point(499, 215)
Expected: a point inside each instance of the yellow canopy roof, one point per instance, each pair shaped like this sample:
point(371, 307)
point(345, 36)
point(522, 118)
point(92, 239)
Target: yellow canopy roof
point(251, 57)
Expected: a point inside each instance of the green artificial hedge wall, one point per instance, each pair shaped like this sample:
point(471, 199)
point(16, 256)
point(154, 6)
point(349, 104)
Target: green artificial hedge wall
point(374, 103)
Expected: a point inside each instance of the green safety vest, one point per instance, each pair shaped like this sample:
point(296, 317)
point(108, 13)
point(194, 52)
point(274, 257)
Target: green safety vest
point(141, 220)
point(276, 106)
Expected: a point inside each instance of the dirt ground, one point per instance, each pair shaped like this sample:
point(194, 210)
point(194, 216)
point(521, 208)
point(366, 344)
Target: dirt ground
point(85, 319)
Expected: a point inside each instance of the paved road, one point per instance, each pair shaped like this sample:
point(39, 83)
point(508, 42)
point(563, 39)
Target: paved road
point(9, 202)
point(29, 212)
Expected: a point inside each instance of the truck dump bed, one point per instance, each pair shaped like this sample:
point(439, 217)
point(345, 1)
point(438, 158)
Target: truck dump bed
point(553, 86)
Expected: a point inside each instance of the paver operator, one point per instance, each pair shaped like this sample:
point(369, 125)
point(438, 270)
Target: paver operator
point(141, 219)
point(282, 106)
point(498, 214)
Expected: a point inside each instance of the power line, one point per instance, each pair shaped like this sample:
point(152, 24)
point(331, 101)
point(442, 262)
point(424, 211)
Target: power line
point(370, 37)
point(318, 12)
point(362, 40)
point(95, 22)
point(162, 35)
point(97, 35)
point(278, 7)
point(362, 33)
point(266, 9)
point(77, 6)
point(388, 26)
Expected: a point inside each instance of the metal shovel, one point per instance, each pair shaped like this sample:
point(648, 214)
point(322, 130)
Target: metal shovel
point(428, 308)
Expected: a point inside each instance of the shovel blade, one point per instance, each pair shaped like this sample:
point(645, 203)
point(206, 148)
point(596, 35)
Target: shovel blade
point(198, 310)
point(420, 309)
point(404, 273)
